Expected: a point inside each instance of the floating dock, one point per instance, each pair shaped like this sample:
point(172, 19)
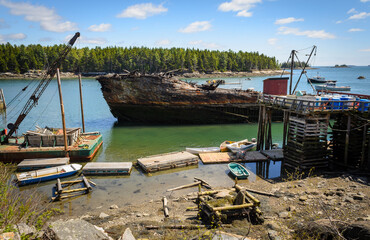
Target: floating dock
point(274, 154)
point(221, 157)
point(167, 161)
point(107, 168)
point(33, 164)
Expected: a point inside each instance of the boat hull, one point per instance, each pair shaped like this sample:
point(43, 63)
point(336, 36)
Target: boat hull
point(77, 153)
point(47, 178)
point(238, 171)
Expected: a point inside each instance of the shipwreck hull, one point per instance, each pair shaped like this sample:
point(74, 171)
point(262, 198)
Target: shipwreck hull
point(154, 99)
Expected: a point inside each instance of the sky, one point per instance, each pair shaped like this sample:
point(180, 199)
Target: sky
point(339, 28)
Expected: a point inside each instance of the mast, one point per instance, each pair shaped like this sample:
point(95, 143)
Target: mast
point(33, 100)
point(62, 111)
point(304, 68)
point(291, 73)
point(82, 105)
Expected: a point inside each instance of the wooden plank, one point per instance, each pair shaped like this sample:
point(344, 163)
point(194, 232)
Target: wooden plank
point(37, 163)
point(254, 156)
point(274, 154)
point(106, 168)
point(167, 161)
point(222, 157)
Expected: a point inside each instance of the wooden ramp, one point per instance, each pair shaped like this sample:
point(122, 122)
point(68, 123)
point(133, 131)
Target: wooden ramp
point(253, 156)
point(274, 154)
point(222, 157)
point(167, 161)
point(107, 168)
point(37, 163)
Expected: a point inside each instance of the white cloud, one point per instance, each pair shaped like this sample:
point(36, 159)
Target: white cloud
point(208, 45)
point(272, 41)
point(339, 21)
point(142, 11)
point(100, 28)
point(7, 37)
point(361, 15)
point(352, 10)
point(198, 26)
point(242, 7)
point(308, 33)
point(163, 42)
point(3, 24)
point(49, 20)
point(356, 30)
point(365, 1)
point(288, 20)
point(365, 50)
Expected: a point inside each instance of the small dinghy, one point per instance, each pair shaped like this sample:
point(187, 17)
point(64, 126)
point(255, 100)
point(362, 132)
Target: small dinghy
point(223, 146)
point(47, 174)
point(203, 150)
point(238, 170)
point(243, 145)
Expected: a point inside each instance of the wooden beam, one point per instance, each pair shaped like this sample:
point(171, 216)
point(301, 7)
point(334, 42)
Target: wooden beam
point(165, 207)
point(346, 146)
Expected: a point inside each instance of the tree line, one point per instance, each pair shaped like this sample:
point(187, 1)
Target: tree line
point(20, 59)
point(297, 64)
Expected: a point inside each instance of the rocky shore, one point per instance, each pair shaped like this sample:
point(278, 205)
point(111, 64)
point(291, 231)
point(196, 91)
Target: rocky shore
point(38, 74)
point(321, 207)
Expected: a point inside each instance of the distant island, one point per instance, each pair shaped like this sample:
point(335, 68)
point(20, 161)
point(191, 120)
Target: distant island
point(341, 66)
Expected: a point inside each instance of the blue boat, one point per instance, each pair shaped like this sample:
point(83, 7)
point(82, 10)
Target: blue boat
point(47, 174)
point(238, 170)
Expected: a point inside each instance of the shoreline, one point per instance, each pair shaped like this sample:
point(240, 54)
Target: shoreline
point(65, 75)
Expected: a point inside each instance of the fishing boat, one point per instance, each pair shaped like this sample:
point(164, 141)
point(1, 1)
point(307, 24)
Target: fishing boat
point(203, 150)
point(223, 146)
point(243, 145)
point(47, 174)
point(318, 79)
point(238, 170)
point(331, 86)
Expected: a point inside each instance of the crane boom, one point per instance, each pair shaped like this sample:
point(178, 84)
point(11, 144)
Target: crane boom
point(49, 75)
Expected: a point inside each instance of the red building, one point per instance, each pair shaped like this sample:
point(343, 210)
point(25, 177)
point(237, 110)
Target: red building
point(275, 86)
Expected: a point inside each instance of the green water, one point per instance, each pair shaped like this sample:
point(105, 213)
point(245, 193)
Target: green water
point(128, 143)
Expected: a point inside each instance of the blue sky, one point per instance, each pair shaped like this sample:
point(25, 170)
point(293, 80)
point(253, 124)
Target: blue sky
point(339, 28)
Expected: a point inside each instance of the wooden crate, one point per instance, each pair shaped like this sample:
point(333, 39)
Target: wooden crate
point(53, 140)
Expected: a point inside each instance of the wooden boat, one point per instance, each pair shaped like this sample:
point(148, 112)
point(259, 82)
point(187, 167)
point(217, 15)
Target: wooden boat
point(223, 146)
point(238, 170)
point(203, 150)
point(241, 146)
point(107, 168)
point(33, 164)
point(331, 86)
point(47, 174)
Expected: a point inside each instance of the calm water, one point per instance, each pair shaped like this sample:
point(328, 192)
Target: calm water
point(127, 143)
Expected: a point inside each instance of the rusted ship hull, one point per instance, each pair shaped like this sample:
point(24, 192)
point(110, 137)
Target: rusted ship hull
point(163, 100)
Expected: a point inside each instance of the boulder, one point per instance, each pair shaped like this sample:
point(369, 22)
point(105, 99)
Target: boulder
point(103, 215)
point(127, 235)
point(75, 229)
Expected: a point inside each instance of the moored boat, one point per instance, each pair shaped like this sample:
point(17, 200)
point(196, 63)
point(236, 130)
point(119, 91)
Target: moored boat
point(241, 146)
point(318, 79)
point(203, 150)
point(238, 170)
point(223, 146)
point(331, 86)
point(47, 174)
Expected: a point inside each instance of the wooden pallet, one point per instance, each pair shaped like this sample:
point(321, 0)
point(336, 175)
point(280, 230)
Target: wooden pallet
point(221, 157)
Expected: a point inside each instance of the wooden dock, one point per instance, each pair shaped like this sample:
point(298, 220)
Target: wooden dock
point(221, 157)
point(107, 168)
point(167, 161)
point(274, 154)
point(37, 163)
point(253, 156)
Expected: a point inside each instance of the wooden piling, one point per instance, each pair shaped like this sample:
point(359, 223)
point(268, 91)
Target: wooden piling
point(81, 102)
point(2, 99)
point(165, 207)
point(62, 111)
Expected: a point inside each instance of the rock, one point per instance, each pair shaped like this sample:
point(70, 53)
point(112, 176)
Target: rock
point(228, 236)
point(358, 197)
point(103, 215)
point(139, 215)
point(146, 214)
point(25, 230)
point(303, 198)
point(127, 235)
point(329, 193)
point(114, 206)
point(272, 225)
point(284, 215)
point(348, 200)
point(273, 235)
point(75, 229)
point(291, 208)
point(10, 236)
point(340, 194)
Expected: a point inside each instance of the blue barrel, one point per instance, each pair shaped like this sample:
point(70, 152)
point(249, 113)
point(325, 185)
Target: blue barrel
point(325, 103)
point(345, 105)
point(364, 105)
point(336, 104)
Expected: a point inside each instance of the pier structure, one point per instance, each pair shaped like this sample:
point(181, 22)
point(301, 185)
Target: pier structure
point(2, 100)
point(318, 131)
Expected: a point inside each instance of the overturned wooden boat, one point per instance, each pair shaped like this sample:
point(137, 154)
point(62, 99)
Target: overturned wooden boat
point(243, 145)
point(47, 174)
point(107, 168)
point(238, 170)
point(37, 163)
point(163, 99)
point(203, 150)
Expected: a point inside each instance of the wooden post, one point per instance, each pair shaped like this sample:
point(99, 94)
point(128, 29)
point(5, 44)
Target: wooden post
point(81, 102)
point(286, 119)
point(259, 128)
point(291, 73)
point(347, 140)
point(165, 207)
point(363, 150)
point(2, 98)
point(62, 110)
point(87, 184)
point(59, 186)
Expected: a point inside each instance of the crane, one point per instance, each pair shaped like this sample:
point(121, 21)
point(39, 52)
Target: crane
point(49, 75)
